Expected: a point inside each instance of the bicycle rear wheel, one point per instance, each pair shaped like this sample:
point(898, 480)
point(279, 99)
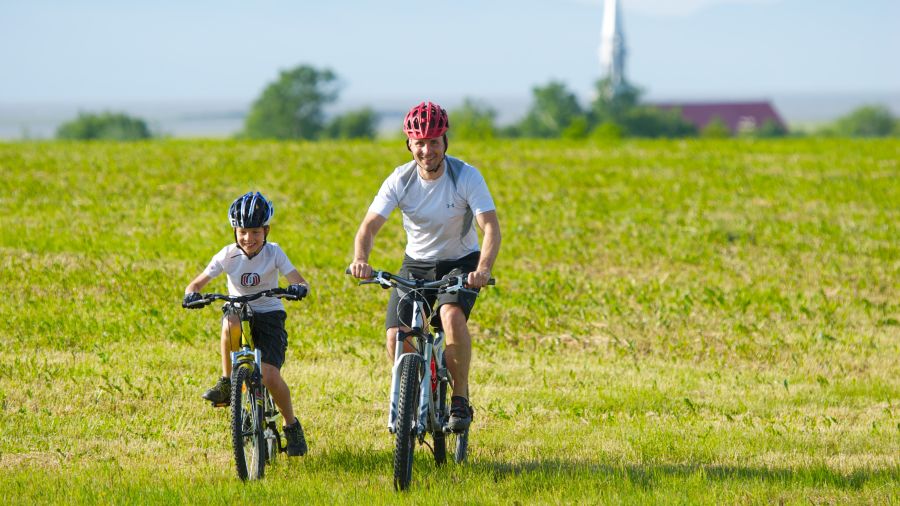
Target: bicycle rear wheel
point(443, 411)
point(272, 436)
point(247, 433)
point(411, 371)
point(461, 447)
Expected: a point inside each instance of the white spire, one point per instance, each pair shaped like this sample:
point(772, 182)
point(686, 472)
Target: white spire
point(612, 45)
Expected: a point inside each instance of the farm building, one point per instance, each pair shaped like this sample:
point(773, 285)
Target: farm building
point(739, 117)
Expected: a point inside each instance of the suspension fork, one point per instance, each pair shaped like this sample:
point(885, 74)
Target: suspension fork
point(426, 403)
point(417, 324)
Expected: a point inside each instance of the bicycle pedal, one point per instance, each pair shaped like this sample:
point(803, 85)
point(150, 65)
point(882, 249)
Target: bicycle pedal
point(219, 404)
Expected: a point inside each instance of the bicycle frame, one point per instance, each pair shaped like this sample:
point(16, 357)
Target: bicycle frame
point(429, 346)
point(253, 423)
point(247, 352)
point(422, 413)
point(245, 356)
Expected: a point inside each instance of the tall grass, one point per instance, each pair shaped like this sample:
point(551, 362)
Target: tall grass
point(674, 321)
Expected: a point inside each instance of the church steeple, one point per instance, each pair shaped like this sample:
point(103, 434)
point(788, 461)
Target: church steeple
point(612, 48)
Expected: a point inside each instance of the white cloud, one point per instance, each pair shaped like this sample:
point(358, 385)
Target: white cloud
point(671, 7)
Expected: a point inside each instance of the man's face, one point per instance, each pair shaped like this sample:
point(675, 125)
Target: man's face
point(250, 240)
point(428, 153)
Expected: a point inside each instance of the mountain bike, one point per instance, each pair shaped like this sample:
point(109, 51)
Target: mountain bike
point(419, 403)
point(254, 416)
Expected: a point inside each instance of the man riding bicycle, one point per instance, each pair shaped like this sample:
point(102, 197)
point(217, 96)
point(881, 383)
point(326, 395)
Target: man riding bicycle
point(441, 199)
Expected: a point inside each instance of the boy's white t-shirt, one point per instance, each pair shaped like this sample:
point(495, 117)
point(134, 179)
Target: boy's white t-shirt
point(438, 218)
point(247, 276)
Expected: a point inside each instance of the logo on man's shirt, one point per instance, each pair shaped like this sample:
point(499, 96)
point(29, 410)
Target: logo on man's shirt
point(451, 205)
point(250, 279)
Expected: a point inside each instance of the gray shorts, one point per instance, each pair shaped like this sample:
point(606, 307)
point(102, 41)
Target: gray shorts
point(430, 271)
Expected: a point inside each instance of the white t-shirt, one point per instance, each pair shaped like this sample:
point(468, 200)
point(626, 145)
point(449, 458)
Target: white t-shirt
point(438, 217)
point(247, 276)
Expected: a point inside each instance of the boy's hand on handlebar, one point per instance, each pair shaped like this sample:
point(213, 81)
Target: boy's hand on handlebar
point(360, 270)
point(297, 291)
point(478, 279)
point(192, 301)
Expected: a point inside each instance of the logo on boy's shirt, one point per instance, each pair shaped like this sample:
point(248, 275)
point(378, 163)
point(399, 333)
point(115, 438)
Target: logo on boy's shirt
point(250, 279)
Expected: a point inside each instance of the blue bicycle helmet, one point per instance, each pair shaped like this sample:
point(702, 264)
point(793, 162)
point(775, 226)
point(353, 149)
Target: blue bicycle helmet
point(250, 210)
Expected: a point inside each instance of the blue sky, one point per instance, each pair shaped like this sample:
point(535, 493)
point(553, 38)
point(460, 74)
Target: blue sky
point(114, 51)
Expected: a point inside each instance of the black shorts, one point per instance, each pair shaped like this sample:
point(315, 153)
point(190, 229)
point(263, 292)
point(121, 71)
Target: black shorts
point(430, 271)
point(270, 336)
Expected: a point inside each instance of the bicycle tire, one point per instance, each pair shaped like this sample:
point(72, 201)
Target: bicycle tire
point(407, 413)
point(247, 434)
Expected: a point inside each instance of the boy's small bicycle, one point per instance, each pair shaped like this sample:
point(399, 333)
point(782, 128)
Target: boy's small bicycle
point(254, 416)
point(419, 404)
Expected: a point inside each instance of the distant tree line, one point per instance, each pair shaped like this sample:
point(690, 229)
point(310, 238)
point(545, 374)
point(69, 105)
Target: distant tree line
point(104, 126)
point(293, 107)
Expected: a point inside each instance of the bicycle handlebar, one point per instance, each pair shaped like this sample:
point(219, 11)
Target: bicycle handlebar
point(448, 284)
point(208, 298)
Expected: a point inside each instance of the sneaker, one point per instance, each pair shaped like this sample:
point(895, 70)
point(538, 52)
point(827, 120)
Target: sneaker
point(461, 414)
point(296, 441)
point(220, 394)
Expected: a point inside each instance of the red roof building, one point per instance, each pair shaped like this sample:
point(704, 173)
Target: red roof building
point(739, 117)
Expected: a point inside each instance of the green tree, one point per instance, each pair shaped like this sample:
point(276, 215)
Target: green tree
point(609, 107)
point(292, 107)
point(606, 131)
point(867, 121)
point(650, 121)
point(104, 126)
point(577, 129)
point(716, 129)
point(358, 124)
point(553, 110)
point(623, 108)
point(473, 120)
point(769, 129)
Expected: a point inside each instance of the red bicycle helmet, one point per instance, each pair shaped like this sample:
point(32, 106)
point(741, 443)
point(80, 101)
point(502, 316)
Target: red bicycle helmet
point(426, 121)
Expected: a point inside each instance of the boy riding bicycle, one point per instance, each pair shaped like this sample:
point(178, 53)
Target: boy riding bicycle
point(252, 265)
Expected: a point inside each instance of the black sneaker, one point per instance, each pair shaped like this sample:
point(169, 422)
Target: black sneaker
point(219, 395)
point(461, 414)
point(296, 441)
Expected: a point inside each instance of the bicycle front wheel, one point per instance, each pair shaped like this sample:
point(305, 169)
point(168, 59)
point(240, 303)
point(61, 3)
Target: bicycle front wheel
point(411, 371)
point(247, 431)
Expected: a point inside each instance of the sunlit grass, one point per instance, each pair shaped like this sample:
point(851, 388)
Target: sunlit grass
point(700, 321)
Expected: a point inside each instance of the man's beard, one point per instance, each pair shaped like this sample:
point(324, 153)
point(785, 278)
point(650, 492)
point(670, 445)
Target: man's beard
point(438, 166)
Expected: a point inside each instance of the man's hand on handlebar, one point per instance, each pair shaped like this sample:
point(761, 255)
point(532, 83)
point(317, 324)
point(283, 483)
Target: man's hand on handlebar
point(360, 270)
point(478, 279)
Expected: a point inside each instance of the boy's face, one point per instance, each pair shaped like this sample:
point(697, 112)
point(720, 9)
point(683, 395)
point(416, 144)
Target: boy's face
point(251, 240)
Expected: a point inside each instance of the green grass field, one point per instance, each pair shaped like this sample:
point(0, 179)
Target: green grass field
point(673, 322)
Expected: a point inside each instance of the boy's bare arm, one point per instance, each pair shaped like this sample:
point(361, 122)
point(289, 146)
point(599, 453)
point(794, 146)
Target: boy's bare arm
point(295, 278)
point(198, 283)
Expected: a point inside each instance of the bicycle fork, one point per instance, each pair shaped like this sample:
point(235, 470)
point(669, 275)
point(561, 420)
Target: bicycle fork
point(435, 374)
point(433, 357)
